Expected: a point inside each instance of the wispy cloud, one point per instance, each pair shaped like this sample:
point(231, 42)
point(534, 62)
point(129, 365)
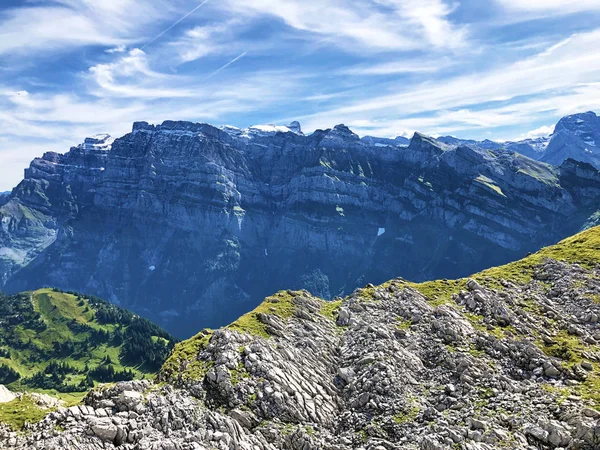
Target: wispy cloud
point(551, 6)
point(70, 24)
point(558, 73)
point(384, 67)
point(382, 25)
point(403, 66)
point(174, 24)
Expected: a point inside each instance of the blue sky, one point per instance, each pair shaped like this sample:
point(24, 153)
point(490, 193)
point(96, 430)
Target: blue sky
point(498, 69)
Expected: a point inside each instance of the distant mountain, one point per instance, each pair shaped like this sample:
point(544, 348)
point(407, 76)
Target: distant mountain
point(192, 225)
point(66, 342)
point(456, 142)
point(4, 197)
point(576, 137)
point(382, 142)
point(533, 148)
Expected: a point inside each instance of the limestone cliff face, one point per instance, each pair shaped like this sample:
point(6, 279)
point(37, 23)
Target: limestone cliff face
point(191, 225)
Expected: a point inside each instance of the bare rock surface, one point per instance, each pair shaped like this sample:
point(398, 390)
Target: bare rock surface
point(475, 364)
point(190, 225)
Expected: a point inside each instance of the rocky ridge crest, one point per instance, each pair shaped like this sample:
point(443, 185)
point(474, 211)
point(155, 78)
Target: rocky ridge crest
point(508, 358)
point(190, 225)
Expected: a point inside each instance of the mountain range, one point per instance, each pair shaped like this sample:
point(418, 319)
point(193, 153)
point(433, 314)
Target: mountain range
point(576, 136)
point(191, 225)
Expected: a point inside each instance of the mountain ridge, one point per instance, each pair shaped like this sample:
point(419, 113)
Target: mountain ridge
point(274, 210)
point(574, 137)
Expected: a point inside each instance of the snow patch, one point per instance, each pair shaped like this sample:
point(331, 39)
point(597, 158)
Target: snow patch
point(152, 268)
point(98, 142)
point(260, 130)
point(380, 232)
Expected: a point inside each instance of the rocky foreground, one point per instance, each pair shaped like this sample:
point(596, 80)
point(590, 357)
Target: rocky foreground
point(508, 359)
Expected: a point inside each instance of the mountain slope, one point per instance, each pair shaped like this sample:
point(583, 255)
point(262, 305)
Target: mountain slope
point(190, 225)
point(576, 137)
point(509, 358)
point(60, 341)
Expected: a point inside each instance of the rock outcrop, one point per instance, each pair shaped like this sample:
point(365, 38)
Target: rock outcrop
point(191, 225)
point(509, 358)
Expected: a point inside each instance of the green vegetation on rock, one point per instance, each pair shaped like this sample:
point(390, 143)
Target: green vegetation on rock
point(330, 309)
point(489, 183)
point(183, 361)
point(64, 342)
point(20, 411)
point(279, 304)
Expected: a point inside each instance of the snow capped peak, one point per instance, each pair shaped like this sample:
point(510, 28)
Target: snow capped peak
point(294, 127)
point(270, 128)
point(98, 142)
point(258, 130)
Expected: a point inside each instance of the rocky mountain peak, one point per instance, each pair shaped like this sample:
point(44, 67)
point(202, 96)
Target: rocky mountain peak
point(577, 137)
point(423, 150)
point(420, 139)
point(189, 224)
point(295, 127)
point(98, 142)
point(343, 130)
point(581, 123)
point(142, 126)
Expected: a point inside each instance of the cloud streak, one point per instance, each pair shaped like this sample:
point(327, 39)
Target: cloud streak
point(185, 16)
point(383, 67)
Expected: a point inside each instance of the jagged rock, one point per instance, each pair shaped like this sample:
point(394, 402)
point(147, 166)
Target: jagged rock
point(104, 429)
point(287, 376)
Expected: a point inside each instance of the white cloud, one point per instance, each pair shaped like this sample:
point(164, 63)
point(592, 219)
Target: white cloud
point(543, 131)
point(557, 75)
point(73, 23)
point(205, 40)
point(403, 66)
point(365, 24)
point(553, 6)
point(117, 49)
point(130, 76)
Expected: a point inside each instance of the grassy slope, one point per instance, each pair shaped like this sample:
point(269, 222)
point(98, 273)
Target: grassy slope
point(25, 342)
point(33, 324)
point(583, 249)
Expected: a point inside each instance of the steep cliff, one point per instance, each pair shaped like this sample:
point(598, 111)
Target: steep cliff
point(191, 225)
